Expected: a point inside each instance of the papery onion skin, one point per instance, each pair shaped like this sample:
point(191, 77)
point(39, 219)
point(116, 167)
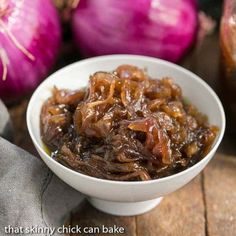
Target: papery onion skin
point(160, 28)
point(36, 26)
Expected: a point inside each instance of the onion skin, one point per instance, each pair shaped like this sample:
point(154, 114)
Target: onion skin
point(160, 28)
point(36, 26)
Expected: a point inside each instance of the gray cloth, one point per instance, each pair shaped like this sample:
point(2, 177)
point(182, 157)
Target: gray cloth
point(31, 196)
point(6, 130)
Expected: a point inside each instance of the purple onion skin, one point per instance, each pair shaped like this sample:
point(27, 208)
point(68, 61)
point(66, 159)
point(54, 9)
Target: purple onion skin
point(159, 28)
point(36, 26)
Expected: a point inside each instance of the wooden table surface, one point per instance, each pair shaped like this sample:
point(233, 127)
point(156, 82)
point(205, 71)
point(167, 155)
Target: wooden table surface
point(205, 206)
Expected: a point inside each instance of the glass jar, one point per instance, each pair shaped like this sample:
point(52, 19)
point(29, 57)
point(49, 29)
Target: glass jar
point(228, 62)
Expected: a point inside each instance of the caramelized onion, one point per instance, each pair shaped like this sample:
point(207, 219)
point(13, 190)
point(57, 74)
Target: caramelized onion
point(125, 126)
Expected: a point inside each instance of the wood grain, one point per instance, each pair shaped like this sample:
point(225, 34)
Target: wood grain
point(180, 213)
point(220, 195)
point(86, 215)
point(206, 206)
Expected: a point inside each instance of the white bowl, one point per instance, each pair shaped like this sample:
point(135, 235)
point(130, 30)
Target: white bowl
point(117, 197)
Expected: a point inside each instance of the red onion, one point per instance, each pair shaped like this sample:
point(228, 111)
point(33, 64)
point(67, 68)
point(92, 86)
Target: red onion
point(30, 37)
point(159, 28)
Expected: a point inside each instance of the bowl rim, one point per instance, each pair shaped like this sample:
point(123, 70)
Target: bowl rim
point(141, 58)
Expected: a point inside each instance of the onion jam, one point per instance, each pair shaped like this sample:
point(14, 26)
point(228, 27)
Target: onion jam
point(125, 126)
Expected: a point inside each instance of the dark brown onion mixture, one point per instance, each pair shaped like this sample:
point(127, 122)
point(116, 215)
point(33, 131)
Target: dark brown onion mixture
point(125, 126)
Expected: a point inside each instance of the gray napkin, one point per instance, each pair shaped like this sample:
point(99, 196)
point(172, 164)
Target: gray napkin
point(33, 201)
point(6, 130)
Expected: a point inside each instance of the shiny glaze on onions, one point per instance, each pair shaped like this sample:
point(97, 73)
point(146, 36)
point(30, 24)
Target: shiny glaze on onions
point(125, 126)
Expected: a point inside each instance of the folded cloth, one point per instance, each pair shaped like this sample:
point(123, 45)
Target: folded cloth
point(33, 200)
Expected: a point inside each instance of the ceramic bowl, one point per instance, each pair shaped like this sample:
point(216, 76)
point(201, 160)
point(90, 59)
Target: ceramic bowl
point(117, 197)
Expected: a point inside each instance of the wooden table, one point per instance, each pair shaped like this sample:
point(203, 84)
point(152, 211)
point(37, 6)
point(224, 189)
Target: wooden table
point(206, 206)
